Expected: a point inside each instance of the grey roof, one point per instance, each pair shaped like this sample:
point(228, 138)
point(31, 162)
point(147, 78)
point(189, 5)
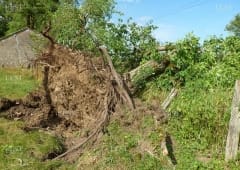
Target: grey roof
point(16, 49)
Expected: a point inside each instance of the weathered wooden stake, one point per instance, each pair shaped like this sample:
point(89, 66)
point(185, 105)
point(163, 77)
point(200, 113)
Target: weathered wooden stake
point(169, 99)
point(234, 126)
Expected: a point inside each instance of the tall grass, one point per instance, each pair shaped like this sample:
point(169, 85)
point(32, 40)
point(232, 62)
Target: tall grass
point(16, 82)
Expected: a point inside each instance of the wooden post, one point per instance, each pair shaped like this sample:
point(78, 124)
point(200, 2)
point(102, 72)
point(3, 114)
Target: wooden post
point(234, 126)
point(169, 99)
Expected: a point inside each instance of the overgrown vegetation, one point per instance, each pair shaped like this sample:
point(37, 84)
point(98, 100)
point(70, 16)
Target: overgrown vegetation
point(204, 73)
point(200, 114)
point(127, 145)
point(21, 150)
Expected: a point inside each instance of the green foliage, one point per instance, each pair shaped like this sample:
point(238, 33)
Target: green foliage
point(67, 30)
point(132, 44)
point(75, 24)
point(97, 9)
point(3, 21)
point(89, 26)
point(206, 73)
point(203, 115)
point(234, 25)
point(183, 60)
point(28, 13)
point(210, 63)
point(199, 115)
point(20, 150)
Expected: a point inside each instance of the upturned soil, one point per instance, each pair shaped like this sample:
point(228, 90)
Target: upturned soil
point(76, 94)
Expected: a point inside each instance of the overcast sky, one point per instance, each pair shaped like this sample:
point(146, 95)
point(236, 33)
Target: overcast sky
point(176, 18)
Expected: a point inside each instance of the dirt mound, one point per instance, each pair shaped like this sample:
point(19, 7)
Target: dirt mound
point(78, 87)
point(75, 95)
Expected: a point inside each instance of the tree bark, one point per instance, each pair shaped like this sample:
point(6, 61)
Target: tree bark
point(165, 48)
point(124, 92)
point(146, 71)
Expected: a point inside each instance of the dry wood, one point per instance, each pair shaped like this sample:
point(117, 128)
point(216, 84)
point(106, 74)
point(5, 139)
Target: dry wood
point(134, 72)
point(45, 33)
point(169, 98)
point(162, 48)
point(46, 64)
point(165, 48)
point(164, 147)
point(234, 126)
point(123, 91)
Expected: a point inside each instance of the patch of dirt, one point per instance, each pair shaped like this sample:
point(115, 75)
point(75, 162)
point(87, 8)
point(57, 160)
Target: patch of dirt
point(204, 158)
point(6, 104)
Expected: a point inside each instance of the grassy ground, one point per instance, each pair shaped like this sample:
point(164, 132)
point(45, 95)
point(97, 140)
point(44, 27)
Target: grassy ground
point(16, 83)
point(198, 127)
point(19, 149)
point(198, 123)
point(132, 142)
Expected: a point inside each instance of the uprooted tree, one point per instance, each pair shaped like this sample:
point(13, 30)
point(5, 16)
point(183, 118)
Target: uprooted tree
point(77, 91)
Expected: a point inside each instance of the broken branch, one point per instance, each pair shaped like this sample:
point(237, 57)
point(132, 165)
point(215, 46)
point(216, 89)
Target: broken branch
point(169, 98)
point(123, 91)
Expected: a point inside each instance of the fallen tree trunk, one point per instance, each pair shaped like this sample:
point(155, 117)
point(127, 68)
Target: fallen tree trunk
point(155, 66)
point(165, 48)
point(124, 92)
point(145, 72)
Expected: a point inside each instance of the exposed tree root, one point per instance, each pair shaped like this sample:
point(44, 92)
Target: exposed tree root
point(123, 91)
point(55, 106)
point(111, 98)
point(109, 103)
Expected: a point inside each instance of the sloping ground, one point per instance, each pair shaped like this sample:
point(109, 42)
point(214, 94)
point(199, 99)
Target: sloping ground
point(25, 151)
point(76, 89)
point(75, 100)
point(133, 141)
point(17, 49)
point(77, 97)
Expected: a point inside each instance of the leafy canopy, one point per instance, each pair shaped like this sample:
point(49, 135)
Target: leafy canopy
point(27, 13)
point(234, 25)
point(90, 25)
point(3, 20)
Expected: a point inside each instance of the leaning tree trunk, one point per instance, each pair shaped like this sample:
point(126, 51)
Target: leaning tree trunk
point(137, 76)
